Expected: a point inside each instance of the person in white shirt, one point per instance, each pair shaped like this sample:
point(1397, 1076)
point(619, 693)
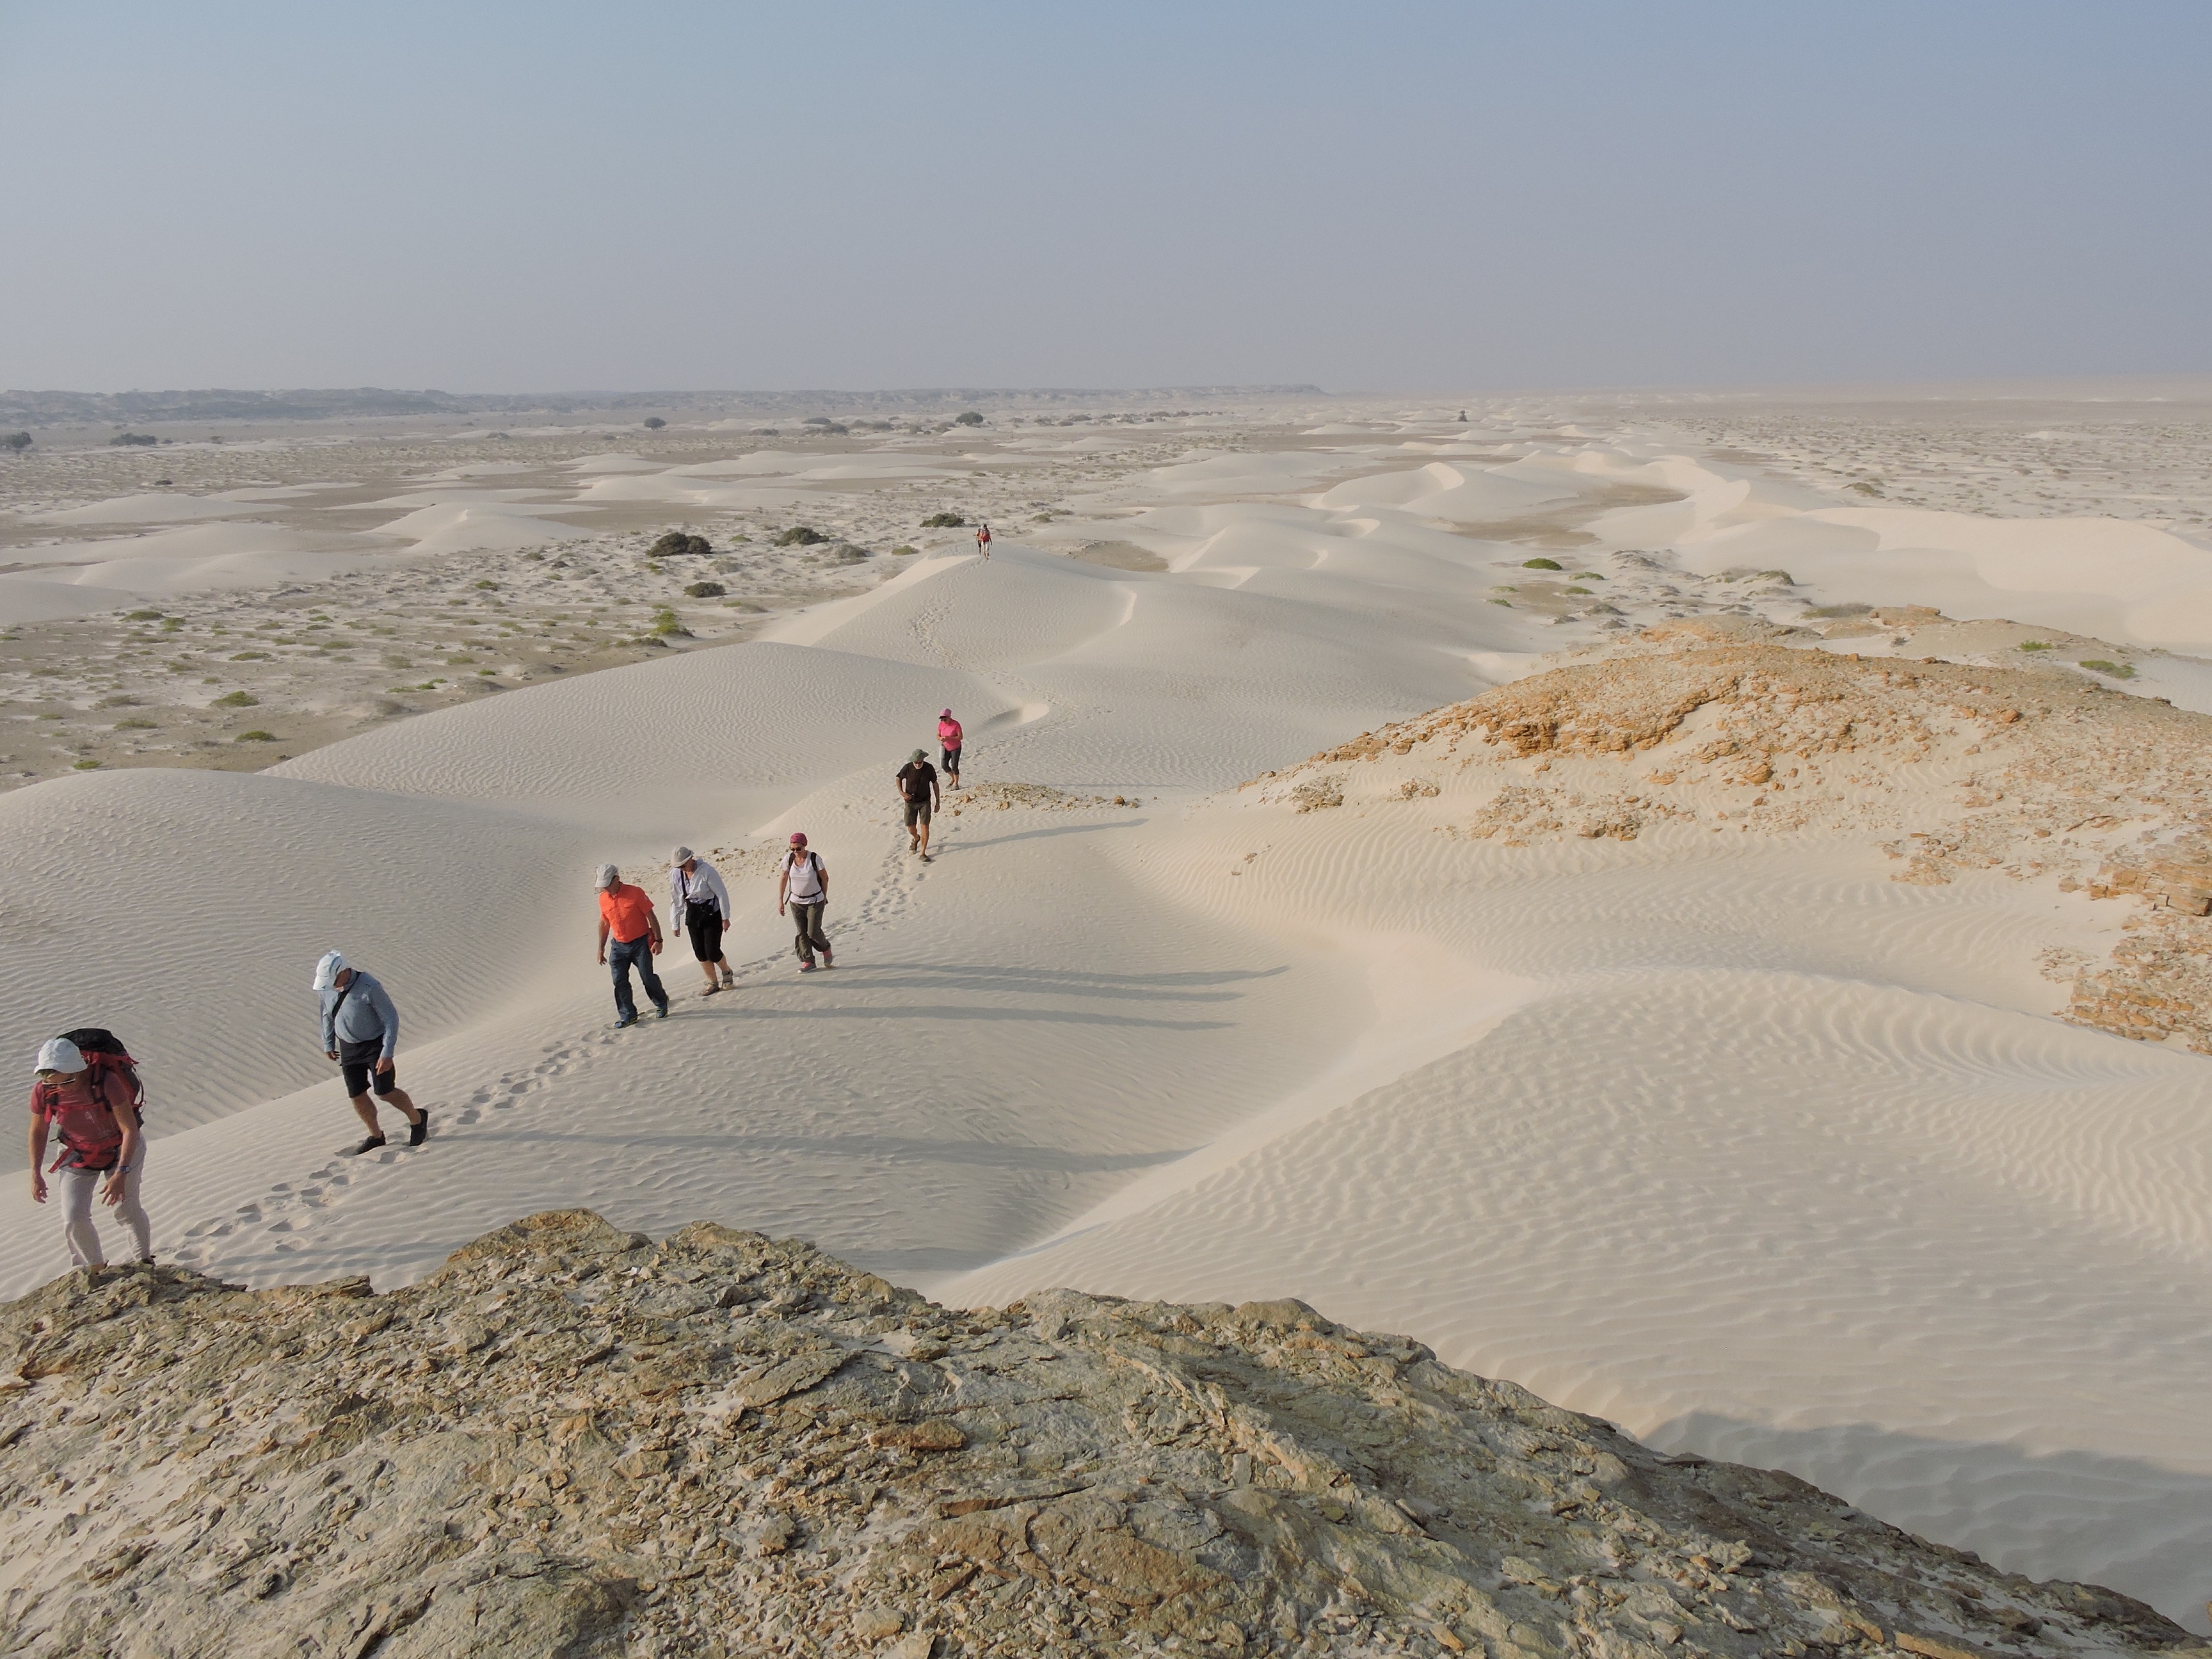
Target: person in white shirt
point(803, 885)
point(699, 900)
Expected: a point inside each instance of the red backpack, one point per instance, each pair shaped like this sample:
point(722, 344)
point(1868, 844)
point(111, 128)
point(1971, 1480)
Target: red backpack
point(114, 1076)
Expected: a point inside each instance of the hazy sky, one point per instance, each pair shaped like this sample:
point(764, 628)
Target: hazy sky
point(507, 197)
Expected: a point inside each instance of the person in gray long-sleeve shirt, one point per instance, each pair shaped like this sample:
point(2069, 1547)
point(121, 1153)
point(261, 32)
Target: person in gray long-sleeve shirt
point(361, 1031)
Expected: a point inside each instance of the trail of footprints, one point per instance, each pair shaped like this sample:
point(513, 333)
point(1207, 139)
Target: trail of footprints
point(290, 1210)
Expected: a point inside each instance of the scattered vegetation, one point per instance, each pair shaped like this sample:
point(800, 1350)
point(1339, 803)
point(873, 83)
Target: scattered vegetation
point(654, 423)
point(1541, 564)
point(901, 552)
point(250, 656)
point(143, 616)
point(255, 735)
point(486, 584)
point(2035, 644)
point(943, 521)
point(678, 544)
point(967, 417)
point(800, 535)
point(18, 441)
point(236, 700)
point(124, 440)
point(2119, 671)
point(87, 766)
point(666, 623)
point(705, 590)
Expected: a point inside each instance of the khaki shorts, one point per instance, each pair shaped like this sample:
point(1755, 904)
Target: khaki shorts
point(917, 812)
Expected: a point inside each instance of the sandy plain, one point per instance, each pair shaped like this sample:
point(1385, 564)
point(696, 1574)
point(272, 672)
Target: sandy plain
point(1779, 1115)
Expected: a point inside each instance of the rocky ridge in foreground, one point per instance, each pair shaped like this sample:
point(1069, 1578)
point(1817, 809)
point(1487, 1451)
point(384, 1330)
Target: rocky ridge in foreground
point(573, 1441)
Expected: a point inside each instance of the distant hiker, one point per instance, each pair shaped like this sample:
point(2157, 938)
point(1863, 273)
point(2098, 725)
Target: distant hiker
point(92, 1101)
point(948, 735)
point(627, 913)
point(696, 894)
point(803, 883)
point(917, 789)
point(361, 1031)
point(983, 539)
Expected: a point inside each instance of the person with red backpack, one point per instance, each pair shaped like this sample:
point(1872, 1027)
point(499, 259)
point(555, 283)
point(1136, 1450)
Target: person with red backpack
point(91, 1101)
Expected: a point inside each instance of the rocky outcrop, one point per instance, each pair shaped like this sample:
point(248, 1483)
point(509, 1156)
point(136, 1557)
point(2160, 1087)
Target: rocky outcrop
point(573, 1441)
point(1951, 768)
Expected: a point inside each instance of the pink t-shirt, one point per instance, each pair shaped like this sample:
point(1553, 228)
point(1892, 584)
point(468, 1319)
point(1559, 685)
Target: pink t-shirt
point(948, 733)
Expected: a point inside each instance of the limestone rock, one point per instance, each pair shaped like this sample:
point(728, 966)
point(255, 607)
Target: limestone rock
point(573, 1441)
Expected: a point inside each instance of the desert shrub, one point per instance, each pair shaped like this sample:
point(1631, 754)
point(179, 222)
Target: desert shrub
point(487, 584)
point(705, 590)
point(2035, 644)
point(1508, 604)
point(901, 552)
point(845, 553)
point(680, 545)
point(1541, 564)
point(800, 535)
point(255, 735)
point(16, 440)
point(134, 724)
point(967, 417)
point(126, 440)
point(943, 521)
point(2119, 671)
point(236, 700)
point(654, 423)
point(249, 656)
point(817, 419)
point(1574, 589)
point(86, 766)
point(143, 616)
point(121, 699)
point(665, 621)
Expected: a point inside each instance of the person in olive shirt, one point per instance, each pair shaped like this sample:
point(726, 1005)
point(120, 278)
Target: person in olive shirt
point(917, 790)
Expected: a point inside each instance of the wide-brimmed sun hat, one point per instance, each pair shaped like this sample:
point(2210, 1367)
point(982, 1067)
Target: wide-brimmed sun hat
point(918, 755)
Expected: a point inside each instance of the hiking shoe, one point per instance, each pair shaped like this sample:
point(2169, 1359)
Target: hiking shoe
point(369, 1144)
point(805, 966)
point(660, 1011)
point(625, 1022)
point(828, 960)
point(417, 1129)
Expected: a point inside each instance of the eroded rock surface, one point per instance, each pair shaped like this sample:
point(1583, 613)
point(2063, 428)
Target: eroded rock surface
point(573, 1441)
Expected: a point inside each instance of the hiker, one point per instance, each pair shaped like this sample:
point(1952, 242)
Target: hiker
point(361, 1031)
point(627, 913)
point(803, 883)
point(917, 789)
point(92, 1103)
point(983, 539)
point(948, 736)
point(696, 895)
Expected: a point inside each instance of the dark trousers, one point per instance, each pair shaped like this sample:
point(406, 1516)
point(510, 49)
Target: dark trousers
point(807, 918)
point(704, 923)
point(621, 958)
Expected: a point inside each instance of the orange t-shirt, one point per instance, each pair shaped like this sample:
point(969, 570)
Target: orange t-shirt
point(628, 910)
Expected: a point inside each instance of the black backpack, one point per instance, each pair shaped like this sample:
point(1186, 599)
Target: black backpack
point(105, 1053)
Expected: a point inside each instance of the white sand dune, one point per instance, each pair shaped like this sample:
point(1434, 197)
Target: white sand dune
point(1729, 1138)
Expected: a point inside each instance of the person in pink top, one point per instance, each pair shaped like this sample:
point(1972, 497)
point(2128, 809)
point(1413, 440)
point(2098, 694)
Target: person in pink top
point(948, 738)
point(983, 539)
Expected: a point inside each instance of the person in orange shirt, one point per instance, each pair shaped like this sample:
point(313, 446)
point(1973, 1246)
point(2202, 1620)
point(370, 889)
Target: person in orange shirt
point(626, 913)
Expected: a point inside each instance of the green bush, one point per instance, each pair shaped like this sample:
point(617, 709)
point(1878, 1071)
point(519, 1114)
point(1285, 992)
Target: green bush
point(705, 590)
point(654, 423)
point(86, 766)
point(680, 545)
point(134, 726)
point(901, 552)
point(800, 535)
point(255, 735)
point(2035, 645)
point(236, 700)
point(250, 656)
point(143, 616)
point(2119, 671)
point(943, 521)
point(665, 621)
point(967, 417)
point(130, 439)
point(18, 441)
point(1574, 589)
point(1541, 564)
point(485, 583)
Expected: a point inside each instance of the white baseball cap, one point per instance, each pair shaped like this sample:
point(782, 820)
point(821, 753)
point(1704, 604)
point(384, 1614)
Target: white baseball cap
point(608, 876)
point(328, 970)
point(60, 1055)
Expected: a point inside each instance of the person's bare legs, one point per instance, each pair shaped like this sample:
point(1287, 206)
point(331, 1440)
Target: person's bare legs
point(366, 1108)
point(922, 845)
